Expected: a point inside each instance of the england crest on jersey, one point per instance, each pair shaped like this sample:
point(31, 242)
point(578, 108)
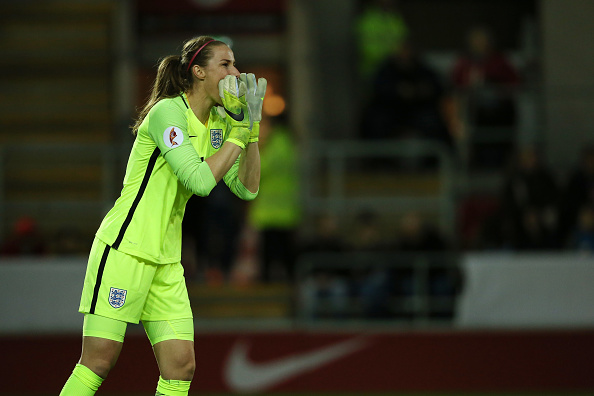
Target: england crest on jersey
point(117, 297)
point(216, 138)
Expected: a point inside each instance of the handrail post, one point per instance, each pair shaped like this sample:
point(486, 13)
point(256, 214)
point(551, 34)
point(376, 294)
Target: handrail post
point(3, 223)
point(336, 170)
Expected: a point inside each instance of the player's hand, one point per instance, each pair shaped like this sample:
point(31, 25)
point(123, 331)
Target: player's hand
point(235, 109)
point(254, 98)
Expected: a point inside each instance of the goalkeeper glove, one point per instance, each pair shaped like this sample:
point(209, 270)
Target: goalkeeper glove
point(254, 98)
point(235, 109)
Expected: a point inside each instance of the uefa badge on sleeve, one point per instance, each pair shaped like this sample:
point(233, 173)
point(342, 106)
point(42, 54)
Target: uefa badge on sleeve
point(216, 138)
point(117, 297)
point(173, 137)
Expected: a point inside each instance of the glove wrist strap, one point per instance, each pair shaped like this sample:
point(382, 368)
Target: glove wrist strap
point(254, 133)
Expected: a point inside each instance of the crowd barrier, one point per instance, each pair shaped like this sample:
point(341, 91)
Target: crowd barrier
point(498, 290)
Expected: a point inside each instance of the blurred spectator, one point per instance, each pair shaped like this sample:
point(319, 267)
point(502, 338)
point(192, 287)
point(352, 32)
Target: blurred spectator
point(497, 232)
point(579, 192)
point(583, 235)
point(380, 286)
point(214, 224)
point(417, 235)
point(486, 80)
point(371, 284)
point(529, 202)
point(380, 31)
point(326, 237)
point(367, 234)
point(276, 212)
point(407, 100)
point(475, 214)
point(324, 296)
point(534, 233)
point(483, 66)
point(25, 239)
point(324, 293)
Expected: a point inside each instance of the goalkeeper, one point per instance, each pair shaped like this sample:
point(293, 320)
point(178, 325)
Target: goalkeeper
point(199, 126)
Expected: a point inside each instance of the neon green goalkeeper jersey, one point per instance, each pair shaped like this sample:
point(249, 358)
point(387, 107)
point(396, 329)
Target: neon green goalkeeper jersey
point(166, 166)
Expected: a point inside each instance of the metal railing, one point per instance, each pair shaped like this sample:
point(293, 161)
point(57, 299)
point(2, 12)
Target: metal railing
point(415, 289)
point(525, 127)
point(335, 156)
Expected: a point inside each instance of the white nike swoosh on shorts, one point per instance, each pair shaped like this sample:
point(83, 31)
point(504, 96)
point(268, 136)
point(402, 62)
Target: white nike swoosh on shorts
point(243, 375)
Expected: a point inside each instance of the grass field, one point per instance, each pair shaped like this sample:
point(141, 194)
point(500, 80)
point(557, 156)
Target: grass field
point(378, 394)
point(354, 394)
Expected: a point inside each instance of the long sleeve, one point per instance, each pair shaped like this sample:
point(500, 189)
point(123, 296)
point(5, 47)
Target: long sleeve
point(192, 172)
point(168, 128)
point(231, 179)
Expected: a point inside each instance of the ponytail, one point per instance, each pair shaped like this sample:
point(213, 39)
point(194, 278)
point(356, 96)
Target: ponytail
point(170, 82)
point(174, 75)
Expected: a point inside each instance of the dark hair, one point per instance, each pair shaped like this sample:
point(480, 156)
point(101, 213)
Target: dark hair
point(173, 74)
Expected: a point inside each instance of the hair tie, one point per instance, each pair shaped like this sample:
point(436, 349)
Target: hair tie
point(199, 49)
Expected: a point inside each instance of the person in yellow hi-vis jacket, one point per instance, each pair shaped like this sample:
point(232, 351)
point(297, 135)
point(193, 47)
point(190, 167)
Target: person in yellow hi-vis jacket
point(276, 213)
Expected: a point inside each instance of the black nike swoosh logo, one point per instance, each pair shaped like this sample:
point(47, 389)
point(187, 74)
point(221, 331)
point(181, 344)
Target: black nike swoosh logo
point(236, 117)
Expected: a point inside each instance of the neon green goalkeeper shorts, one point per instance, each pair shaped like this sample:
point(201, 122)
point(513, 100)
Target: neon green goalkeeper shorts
point(128, 288)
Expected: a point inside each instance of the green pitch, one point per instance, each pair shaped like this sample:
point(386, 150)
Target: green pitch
point(358, 394)
point(407, 394)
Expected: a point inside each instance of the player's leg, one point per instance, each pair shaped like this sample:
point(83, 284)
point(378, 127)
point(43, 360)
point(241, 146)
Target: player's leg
point(167, 319)
point(176, 359)
point(102, 343)
point(173, 346)
point(176, 365)
point(114, 292)
point(82, 382)
point(100, 354)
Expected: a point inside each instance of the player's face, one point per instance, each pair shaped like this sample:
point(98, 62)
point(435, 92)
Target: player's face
point(220, 65)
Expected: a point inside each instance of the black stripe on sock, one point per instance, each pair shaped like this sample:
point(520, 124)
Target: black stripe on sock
point(145, 180)
point(99, 278)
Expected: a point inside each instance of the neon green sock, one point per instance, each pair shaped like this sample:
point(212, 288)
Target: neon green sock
point(82, 382)
point(172, 387)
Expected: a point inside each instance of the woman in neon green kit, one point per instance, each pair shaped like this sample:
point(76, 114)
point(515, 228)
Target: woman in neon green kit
point(199, 126)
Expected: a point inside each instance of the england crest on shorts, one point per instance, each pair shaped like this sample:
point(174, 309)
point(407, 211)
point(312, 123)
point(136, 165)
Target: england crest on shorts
point(216, 138)
point(117, 297)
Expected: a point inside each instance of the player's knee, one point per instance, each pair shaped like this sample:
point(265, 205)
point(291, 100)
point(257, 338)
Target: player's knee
point(99, 365)
point(186, 366)
point(100, 361)
point(105, 366)
point(189, 370)
point(182, 367)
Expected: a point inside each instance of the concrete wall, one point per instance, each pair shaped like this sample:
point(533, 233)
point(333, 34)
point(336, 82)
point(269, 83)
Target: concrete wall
point(322, 56)
point(568, 73)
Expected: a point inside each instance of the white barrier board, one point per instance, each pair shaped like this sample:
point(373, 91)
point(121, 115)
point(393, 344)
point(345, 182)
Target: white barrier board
point(41, 295)
point(527, 290)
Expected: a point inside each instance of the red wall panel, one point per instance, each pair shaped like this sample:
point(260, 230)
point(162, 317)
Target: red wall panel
point(315, 362)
